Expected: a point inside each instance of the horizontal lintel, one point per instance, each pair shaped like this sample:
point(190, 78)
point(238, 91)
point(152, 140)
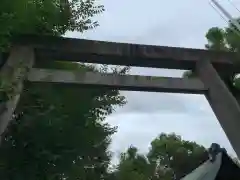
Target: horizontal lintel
point(121, 82)
point(91, 51)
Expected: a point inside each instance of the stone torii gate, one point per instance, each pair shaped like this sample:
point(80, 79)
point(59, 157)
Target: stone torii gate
point(210, 67)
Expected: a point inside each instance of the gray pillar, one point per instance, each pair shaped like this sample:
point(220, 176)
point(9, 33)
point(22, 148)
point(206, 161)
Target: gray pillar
point(12, 75)
point(223, 103)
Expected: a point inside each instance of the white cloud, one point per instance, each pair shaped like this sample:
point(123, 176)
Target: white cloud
point(196, 124)
point(140, 129)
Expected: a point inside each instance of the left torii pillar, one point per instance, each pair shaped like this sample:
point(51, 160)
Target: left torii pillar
point(12, 76)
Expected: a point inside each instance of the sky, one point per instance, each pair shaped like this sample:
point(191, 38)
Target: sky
point(170, 23)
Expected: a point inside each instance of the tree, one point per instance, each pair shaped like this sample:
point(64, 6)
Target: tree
point(58, 132)
point(52, 17)
point(180, 156)
point(133, 166)
point(169, 158)
point(216, 39)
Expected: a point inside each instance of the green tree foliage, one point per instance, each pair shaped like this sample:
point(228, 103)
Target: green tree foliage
point(227, 39)
point(53, 17)
point(58, 132)
point(169, 157)
point(180, 156)
point(216, 39)
point(133, 166)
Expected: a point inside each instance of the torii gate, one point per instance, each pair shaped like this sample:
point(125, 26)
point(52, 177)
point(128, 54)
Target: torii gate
point(209, 65)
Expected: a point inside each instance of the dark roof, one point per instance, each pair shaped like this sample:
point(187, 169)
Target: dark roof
point(207, 171)
point(229, 170)
point(222, 168)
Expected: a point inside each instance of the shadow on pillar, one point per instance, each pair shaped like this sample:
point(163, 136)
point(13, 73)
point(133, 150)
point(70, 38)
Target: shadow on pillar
point(3, 58)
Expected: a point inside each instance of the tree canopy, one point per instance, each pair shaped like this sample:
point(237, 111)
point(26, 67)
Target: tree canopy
point(58, 132)
point(225, 39)
point(169, 157)
point(53, 17)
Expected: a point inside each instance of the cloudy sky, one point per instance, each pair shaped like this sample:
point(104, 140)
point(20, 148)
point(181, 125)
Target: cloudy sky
point(161, 22)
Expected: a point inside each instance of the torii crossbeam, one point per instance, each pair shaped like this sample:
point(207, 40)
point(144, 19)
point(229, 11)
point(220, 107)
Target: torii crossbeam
point(29, 49)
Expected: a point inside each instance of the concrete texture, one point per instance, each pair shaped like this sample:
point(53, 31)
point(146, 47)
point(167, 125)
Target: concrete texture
point(70, 49)
point(123, 82)
point(10, 68)
point(207, 64)
point(223, 103)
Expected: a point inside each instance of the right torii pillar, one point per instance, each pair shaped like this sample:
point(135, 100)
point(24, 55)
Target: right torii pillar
point(223, 103)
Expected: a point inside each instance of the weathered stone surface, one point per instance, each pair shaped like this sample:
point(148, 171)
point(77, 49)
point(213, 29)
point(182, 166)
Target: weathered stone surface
point(223, 103)
point(221, 99)
point(15, 69)
point(124, 82)
point(69, 49)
